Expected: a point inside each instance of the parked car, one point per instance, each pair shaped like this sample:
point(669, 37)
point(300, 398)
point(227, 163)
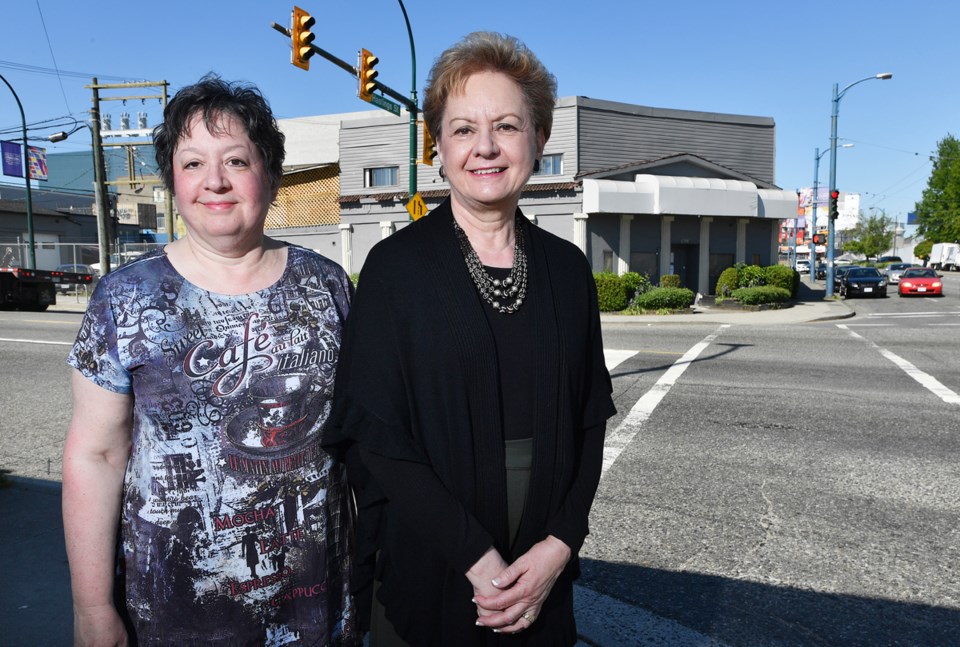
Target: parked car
point(840, 270)
point(803, 267)
point(821, 272)
point(889, 259)
point(894, 270)
point(64, 288)
point(116, 260)
point(863, 281)
point(920, 280)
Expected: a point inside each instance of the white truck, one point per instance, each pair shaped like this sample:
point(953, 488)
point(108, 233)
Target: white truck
point(945, 256)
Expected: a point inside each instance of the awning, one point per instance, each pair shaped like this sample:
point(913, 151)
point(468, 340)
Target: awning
point(696, 196)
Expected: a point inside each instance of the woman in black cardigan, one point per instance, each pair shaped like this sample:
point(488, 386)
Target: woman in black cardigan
point(472, 395)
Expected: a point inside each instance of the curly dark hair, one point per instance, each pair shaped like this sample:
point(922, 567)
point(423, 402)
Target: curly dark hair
point(212, 98)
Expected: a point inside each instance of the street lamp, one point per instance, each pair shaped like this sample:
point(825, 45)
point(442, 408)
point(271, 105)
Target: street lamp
point(813, 208)
point(31, 250)
point(837, 96)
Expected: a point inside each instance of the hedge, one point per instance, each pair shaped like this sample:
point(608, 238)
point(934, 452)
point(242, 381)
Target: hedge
point(782, 276)
point(664, 299)
point(670, 281)
point(611, 292)
point(635, 284)
point(760, 295)
point(727, 282)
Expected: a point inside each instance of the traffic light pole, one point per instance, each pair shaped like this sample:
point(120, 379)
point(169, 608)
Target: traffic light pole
point(412, 109)
point(833, 168)
point(833, 187)
point(813, 214)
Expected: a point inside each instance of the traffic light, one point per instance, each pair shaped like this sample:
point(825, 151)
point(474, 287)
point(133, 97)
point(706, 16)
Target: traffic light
point(429, 146)
point(834, 207)
point(368, 75)
point(301, 38)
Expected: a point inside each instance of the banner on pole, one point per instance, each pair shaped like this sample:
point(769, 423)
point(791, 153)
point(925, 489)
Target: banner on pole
point(38, 163)
point(12, 159)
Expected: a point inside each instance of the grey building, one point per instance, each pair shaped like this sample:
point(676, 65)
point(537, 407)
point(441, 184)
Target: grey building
point(652, 190)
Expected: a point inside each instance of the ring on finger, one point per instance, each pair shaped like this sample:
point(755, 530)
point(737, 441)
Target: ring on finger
point(529, 617)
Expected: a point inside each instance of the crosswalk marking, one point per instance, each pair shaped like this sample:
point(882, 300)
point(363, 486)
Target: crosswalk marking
point(631, 423)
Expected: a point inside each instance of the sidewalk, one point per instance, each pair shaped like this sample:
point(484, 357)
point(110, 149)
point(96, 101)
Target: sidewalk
point(35, 605)
point(809, 307)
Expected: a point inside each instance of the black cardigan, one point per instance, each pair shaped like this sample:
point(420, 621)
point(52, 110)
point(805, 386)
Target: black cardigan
point(417, 393)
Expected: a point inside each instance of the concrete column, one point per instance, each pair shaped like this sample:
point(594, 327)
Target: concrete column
point(580, 231)
point(665, 227)
point(703, 276)
point(742, 240)
point(346, 247)
point(386, 228)
point(623, 262)
point(775, 245)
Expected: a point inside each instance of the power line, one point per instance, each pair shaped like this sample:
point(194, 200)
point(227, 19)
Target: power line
point(36, 69)
point(50, 47)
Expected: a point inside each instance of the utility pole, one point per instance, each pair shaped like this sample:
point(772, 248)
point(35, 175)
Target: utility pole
point(99, 186)
point(101, 181)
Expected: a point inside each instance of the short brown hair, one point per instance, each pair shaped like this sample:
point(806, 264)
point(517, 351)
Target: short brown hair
point(484, 51)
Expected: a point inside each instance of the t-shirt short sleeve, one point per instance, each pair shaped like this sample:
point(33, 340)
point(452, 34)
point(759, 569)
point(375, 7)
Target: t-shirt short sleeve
point(96, 353)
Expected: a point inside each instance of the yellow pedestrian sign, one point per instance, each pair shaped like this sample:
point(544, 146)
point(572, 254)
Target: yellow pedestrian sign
point(417, 207)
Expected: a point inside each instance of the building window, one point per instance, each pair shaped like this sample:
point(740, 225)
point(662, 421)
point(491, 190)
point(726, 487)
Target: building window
point(608, 260)
point(380, 176)
point(551, 165)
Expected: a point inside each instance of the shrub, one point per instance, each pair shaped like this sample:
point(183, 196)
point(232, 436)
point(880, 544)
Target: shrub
point(635, 284)
point(749, 276)
point(670, 281)
point(761, 294)
point(727, 282)
point(782, 276)
point(664, 299)
point(611, 293)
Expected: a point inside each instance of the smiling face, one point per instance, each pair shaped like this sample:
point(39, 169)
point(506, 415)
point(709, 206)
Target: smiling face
point(488, 144)
point(221, 186)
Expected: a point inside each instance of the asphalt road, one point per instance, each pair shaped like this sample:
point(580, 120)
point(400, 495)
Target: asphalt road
point(763, 485)
point(792, 486)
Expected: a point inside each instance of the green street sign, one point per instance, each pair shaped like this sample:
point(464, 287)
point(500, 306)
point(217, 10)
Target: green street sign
point(385, 104)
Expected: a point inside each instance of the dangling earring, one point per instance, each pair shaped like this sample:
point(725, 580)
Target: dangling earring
point(442, 174)
point(536, 166)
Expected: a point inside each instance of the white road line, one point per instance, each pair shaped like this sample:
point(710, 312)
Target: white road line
point(37, 341)
point(644, 407)
point(926, 380)
point(613, 358)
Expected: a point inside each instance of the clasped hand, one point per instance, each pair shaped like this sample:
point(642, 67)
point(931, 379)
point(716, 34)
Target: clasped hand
point(509, 597)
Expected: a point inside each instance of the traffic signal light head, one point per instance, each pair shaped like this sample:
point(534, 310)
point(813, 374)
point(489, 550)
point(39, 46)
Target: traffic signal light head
point(368, 75)
point(301, 38)
point(429, 146)
point(834, 207)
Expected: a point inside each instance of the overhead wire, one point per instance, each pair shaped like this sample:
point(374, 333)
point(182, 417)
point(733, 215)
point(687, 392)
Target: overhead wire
point(53, 56)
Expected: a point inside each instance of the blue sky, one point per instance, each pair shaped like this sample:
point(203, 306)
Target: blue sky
point(742, 57)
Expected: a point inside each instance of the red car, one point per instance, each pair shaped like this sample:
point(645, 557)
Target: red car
point(920, 280)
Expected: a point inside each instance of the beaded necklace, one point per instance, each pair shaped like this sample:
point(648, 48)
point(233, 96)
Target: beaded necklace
point(494, 291)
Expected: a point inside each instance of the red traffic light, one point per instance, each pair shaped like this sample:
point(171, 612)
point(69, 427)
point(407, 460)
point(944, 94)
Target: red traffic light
point(834, 195)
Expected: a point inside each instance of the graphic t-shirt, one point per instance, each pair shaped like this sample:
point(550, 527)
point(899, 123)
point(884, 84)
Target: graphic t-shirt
point(236, 526)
